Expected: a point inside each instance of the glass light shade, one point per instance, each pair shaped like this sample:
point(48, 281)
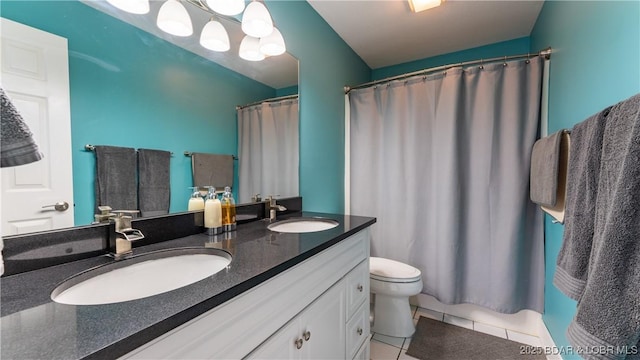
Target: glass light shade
point(226, 7)
point(214, 37)
point(273, 44)
point(250, 49)
point(422, 5)
point(174, 19)
point(131, 6)
point(256, 20)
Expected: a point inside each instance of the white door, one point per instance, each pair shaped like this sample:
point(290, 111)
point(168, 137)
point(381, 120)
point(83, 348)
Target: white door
point(35, 76)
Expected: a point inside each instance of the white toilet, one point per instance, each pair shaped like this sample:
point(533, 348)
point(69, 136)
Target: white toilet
point(392, 283)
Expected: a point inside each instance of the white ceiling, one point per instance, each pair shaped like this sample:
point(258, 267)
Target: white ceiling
point(386, 32)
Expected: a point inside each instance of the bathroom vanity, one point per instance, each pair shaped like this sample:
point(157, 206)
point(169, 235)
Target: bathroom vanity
point(284, 295)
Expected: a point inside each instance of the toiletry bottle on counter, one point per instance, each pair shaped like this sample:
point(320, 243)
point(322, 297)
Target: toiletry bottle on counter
point(228, 210)
point(196, 202)
point(212, 213)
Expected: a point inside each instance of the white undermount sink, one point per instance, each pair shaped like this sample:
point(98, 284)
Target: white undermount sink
point(141, 276)
point(303, 225)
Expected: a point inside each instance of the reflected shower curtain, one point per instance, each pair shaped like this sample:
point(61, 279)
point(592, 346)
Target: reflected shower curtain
point(443, 162)
point(268, 149)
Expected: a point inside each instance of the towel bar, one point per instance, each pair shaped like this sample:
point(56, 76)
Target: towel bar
point(90, 147)
point(190, 153)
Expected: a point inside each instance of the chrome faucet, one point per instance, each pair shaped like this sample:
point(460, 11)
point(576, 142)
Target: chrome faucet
point(271, 207)
point(124, 235)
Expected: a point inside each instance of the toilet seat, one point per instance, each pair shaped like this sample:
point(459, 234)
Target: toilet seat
point(392, 271)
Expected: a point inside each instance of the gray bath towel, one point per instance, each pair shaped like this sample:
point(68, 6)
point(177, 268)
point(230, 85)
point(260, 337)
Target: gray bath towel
point(154, 191)
point(116, 178)
point(212, 170)
point(545, 161)
point(557, 211)
point(16, 141)
point(608, 312)
point(582, 189)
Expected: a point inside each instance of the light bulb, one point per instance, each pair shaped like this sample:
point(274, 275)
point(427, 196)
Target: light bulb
point(273, 44)
point(214, 37)
point(174, 19)
point(256, 20)
point(226, 7)
point(250, 49)
point(131, 6)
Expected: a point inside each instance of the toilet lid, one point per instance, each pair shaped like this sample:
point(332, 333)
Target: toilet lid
point(391, 270)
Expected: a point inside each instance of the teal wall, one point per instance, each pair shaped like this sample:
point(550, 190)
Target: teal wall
point(129, 88)
point(504, 48)
point(595, 63)
point(327, 64)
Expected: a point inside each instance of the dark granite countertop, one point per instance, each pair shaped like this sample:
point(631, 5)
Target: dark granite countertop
point(35, 327)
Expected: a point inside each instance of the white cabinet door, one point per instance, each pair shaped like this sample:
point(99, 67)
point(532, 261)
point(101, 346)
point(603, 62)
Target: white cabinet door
point(323, 325)
point(316, 333)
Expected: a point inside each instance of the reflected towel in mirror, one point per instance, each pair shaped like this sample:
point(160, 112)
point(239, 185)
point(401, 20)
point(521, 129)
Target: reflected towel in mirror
point(154, 192)
point(212, 170)
point(18, 146)
point(116, 182)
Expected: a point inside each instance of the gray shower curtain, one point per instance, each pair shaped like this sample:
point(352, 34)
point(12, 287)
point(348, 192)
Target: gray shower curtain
point(443, 162)
point(268, 149)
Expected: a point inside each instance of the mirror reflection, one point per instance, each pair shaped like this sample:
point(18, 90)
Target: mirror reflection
point(125, 87)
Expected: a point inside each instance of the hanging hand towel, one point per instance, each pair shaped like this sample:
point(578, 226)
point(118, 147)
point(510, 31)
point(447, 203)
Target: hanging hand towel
point(557, 211)
point(116, 181)
point(545, 161)
point(582, 189)
point(17, 145)
point(154, 191)
point(212, 170)
point(608, 313)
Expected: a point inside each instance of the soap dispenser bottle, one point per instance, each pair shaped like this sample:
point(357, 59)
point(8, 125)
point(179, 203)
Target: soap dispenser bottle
point(228, 210)
point(212, 213)
point(196, 202)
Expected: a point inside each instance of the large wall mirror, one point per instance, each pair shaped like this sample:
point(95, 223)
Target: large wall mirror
point(132, 85)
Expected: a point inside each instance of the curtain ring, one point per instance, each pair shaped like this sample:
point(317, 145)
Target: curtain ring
point(528, 58)
point(481, 64)
point(505, 61)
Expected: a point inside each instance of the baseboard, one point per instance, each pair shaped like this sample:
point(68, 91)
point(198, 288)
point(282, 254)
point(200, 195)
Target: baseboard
point(525, 321)
point(547, 341)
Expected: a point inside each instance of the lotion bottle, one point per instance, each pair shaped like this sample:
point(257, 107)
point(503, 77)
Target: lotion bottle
point(228, 210)
point(212, 213)
point(196, 202)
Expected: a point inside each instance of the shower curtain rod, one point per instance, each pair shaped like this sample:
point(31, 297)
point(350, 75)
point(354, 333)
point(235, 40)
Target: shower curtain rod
point(295, 96)
point(546, 53)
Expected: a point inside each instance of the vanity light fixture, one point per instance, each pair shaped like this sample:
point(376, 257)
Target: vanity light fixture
point(262, 39)
point(174, 19)
point(226, 7)
point(250, 49)
point(214, 36)
point(131, 6)
point(273, 44)
point(421, 5)
point(256, 20)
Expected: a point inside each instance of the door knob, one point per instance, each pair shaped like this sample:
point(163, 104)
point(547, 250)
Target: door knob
point(59, 206)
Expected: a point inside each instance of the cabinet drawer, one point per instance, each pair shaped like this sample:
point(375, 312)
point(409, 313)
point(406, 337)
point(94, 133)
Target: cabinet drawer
point(357, 287)
point(357, 330)
point(364, 352)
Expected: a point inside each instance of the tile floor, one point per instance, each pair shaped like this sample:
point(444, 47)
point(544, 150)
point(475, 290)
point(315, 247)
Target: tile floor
point(393, 348)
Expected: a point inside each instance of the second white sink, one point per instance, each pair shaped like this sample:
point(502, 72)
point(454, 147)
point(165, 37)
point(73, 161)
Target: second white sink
point(303, 225)
point(140, 277)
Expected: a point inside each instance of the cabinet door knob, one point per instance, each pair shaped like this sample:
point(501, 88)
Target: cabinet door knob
point(298, 343)
point(359, 331)
point(360, 288)
point(307, 335)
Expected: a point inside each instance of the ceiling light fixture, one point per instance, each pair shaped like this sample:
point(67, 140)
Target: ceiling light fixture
point(421, 5)
point(174, 19)
point(262, 39)
point(131, 6)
